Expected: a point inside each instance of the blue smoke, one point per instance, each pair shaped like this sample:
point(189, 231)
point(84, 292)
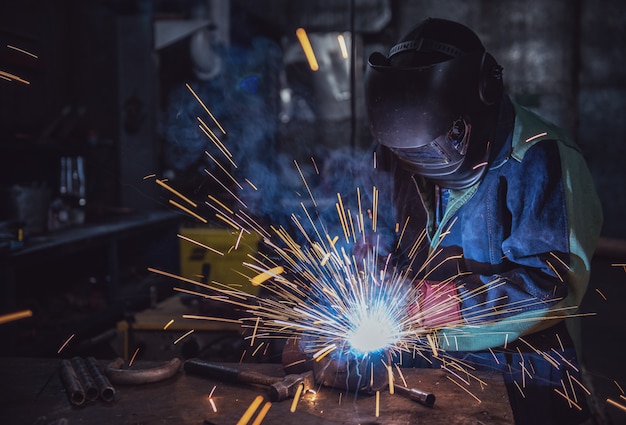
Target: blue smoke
point(244, 100)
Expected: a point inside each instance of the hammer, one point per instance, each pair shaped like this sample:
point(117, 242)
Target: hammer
point(280, 388)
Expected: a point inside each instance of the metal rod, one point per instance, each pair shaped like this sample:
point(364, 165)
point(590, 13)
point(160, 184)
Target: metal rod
point(106, 390)
point(86, 380)
point(73, 387)
point(427, 399)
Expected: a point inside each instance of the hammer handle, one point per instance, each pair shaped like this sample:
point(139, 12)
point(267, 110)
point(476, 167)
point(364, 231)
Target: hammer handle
point(225, 373)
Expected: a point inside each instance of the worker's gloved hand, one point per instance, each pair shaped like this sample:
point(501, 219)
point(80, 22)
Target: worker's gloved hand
point(437, 305)
point(344, 371)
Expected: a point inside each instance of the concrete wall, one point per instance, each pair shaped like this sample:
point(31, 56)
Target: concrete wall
point(564, 59)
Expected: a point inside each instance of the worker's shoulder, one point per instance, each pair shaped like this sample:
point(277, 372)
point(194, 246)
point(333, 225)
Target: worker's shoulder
point(530, 129)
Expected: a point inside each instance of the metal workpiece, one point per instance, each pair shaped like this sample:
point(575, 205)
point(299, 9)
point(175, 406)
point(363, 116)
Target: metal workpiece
point(73, 387)
point(427, 399)
point(105, 389)
point(86, 379)
point(118, 375)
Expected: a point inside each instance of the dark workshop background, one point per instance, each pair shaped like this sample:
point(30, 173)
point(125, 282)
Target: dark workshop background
point(108, 86)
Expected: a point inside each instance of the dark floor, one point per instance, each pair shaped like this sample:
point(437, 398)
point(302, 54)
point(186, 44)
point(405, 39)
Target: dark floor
point(603, 336)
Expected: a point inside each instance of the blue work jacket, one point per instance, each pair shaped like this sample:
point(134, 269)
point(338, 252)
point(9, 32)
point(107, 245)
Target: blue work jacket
point(517, 245)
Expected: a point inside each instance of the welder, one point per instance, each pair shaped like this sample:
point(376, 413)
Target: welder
point(505, 197)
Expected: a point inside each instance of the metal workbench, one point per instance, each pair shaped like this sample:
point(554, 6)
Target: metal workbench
point(31, 389)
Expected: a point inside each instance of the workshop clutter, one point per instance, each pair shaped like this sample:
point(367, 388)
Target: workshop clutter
point(223, 262)
point(84, 380)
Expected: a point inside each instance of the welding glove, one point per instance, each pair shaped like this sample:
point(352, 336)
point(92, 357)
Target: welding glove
point(436, 306)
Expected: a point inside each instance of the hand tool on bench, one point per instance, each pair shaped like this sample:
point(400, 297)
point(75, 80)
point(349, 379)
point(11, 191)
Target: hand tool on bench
point(280, 387)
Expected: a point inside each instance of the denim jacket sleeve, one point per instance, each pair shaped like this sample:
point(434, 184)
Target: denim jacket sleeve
point(526, 237)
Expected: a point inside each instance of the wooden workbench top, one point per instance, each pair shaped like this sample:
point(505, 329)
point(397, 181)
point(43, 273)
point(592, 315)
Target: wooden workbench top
point(31, 389)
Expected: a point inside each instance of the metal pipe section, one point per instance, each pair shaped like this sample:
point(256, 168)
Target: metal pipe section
point(86, 380)
point(105, 389)
point(427, 399)
point(141, 376)
point(73, 387)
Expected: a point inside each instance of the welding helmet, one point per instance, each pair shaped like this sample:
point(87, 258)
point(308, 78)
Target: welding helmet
point(433, 100)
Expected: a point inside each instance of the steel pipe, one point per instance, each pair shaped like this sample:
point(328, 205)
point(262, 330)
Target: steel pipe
point(73, 387)
point(105, 389)
point(157, 373)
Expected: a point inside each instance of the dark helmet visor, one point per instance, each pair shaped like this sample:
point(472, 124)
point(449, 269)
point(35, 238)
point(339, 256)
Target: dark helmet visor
point(413, 107)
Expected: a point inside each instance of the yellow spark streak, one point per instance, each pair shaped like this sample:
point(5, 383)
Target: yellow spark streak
point(296, 398)
point(228, 221)
point(205, 108)
point(465, 389)
point(216, 140)
point(22, 51)
point(262, 413)
point(480, 164)
point(215, 319)
point(199, 244)
point(569, 400)
point(186, 334)
point(10, 317)
point(494, 356)
point(377, 403)
point(168, 324)
point(225, 153)
point(250, 410)
point(342, 46)
point(554, 270)
point(188, 211)
point(406, 223)
point(230, 176)
point(303, 38)
point(361, 219)
point(432, 344)
point(390, 376)
point(601, 294)
point(305, 182)
point(10, 76)
point(194, 282)
point(67, 341)
point(559, 260)
point(374, 208)
point(175, 192)
point(213, 406)
point(530, 139)
point(257, 349)
point(132, 359)
point(616, 404)
point(149, 176)
point(332, 241)
point(342, 217)
point(260, 278)
point(212, 391)
point(324, 352)
point(251, 184)
point(317, 171)
point(618, 386)
point(256, 326)
point(238, 239)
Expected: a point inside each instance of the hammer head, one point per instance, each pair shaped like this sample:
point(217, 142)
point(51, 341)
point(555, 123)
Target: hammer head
point(287, 387)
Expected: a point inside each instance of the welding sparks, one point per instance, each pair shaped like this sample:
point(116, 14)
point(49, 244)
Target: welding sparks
point(303, 38)
point(340, 305)
point(10, 317)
